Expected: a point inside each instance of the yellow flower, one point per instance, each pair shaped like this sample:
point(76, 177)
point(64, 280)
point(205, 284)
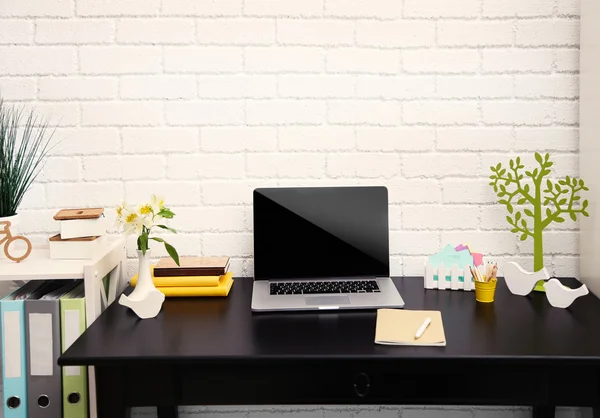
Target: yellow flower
point(131, 218)
point(146, 209)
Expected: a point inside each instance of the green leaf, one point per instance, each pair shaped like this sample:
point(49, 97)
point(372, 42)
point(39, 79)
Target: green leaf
point(514, 230)
point(510, 208)
point(581, 184)
point(548, 212)
point(511, 164)
point(493, 177)
point(535, 172)
point(562, 201)
point(506, 182)
point(493, 168)
point(549, 164)
point(521, 201)
point(526, 188)
point(167, 228)
point(576, 198)
point(499, 166)
point(503, 201)
point(509, 220)
point(584, 213)
point(523, 237)
point(528, 212)
point(558, 188)
point(564, 183)
point(585, 188)
point(157, 239)
point(547, 157)
point(529, 173)
point(517, 216)
point(166, 213)
point(501, 172)
point(546, 202)
point(567, 180)
point(573, 216)
point(584, 204)
point(503, 187)
point(559, 219)
point(143, 243)
point(574, 183)
point(172, 252)
point(549, 184)
point(524, 223)
point(538, 158)
point(545, 173)
point(518, 160)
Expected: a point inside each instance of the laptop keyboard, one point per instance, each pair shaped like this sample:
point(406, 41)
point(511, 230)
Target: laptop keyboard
point(311, 288)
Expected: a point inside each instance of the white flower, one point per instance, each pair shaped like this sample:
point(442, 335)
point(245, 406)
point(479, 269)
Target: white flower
point(123, 211)
point(133, 224)
point(157, 203)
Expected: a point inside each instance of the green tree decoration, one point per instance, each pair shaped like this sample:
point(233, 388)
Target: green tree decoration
point(548, 201)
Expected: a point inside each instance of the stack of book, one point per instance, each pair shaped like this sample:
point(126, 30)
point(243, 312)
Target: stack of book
point(195, 276)
point(82, 233)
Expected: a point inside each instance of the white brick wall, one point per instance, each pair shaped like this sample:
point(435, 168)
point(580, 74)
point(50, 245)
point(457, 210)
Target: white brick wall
point(204, 100)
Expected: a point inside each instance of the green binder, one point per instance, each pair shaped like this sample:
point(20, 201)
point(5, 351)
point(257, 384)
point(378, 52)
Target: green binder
point(74, 378)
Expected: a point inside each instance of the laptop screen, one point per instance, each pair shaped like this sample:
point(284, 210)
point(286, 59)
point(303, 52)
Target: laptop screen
point(320, 232)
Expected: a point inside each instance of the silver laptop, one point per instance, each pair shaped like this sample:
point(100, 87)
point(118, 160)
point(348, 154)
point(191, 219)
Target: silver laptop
point(322, 248)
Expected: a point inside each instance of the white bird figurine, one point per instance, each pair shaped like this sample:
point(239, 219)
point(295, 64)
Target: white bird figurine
point(560, 296)
point(145, 306)
point(521, 282)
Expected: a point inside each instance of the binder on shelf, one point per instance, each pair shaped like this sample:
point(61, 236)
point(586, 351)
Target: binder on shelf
point(42, 324)
point(14, 359)
point(74, 378)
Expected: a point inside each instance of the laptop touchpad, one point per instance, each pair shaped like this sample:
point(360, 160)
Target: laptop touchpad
point(327, 300)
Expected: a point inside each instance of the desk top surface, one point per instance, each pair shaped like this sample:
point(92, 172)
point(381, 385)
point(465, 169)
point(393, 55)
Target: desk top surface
point(513, 328)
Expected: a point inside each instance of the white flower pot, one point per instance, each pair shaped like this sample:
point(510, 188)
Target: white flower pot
point(14, 227)
point(145, 300)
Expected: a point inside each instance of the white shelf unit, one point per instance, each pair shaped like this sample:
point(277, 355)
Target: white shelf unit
point(589, 140)
point(111, 261)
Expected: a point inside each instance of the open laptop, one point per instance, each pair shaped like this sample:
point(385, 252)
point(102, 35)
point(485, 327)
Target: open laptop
point(322, 248)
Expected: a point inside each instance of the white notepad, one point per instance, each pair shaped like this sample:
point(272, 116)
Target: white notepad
point(399, 327)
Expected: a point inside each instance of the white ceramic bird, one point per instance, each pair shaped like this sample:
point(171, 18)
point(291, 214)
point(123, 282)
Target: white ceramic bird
point(521, 282)
point(560, 296)
point(146, 306)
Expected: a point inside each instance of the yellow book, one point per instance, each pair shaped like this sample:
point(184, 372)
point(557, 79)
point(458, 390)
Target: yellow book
point(183, 281)
point(221, 290)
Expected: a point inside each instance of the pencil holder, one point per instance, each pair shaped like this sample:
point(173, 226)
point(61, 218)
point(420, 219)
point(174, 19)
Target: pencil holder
point(484, 291)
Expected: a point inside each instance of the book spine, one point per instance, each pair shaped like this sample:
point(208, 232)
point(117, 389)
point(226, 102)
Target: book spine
point(179, 272)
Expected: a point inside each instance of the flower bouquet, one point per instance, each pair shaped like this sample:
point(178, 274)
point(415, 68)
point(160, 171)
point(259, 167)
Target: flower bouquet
point(146, 300)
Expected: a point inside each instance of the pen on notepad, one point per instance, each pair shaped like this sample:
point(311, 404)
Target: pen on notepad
point(422, 328)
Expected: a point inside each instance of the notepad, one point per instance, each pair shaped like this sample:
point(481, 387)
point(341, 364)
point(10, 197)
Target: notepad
point(399, 326)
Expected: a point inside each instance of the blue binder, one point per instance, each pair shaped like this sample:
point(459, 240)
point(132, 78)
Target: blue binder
point(14, 364)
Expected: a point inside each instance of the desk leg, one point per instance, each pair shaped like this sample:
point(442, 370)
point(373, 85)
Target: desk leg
point(543, 412)
point(596, 412)
point(110, 393)
point(167, 412)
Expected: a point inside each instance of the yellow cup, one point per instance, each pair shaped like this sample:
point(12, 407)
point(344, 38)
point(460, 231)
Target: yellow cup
point(484, 291)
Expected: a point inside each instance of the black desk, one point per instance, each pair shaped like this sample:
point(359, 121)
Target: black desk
point(516, 351)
